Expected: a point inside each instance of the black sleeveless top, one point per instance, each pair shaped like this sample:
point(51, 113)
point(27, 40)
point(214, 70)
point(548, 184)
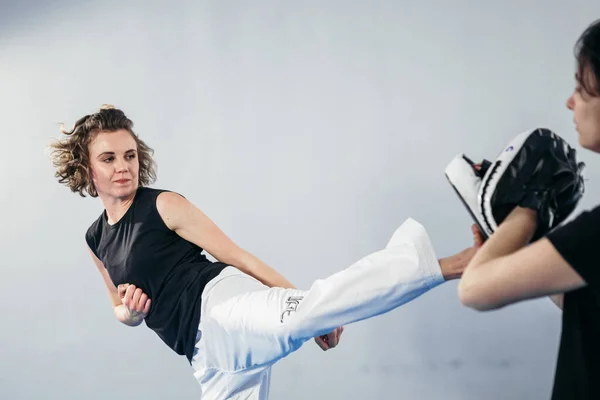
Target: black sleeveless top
point(141, 250)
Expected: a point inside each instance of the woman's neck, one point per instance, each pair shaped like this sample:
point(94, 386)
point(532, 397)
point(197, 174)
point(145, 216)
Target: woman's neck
point(116, 207)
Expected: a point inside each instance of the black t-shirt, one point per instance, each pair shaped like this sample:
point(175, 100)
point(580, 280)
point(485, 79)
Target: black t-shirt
point(578, 366)
point(141, 250)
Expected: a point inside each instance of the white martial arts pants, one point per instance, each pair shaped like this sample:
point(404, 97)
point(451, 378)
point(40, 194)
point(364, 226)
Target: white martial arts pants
point(246, 327)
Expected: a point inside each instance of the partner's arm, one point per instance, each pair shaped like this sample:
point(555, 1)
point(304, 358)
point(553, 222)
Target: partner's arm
point(507, 270)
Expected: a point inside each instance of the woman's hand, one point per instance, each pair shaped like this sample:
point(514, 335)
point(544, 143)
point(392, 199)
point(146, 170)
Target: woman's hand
point(135, 305)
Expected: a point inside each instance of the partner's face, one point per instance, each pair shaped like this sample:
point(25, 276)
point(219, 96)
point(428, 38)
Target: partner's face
point(586, 115)
point(114, 163)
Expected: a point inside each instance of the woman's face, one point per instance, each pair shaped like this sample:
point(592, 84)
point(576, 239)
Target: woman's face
point(586, 115)
point(114, 164)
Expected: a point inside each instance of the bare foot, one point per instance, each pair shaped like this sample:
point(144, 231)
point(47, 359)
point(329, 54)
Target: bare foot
point(453, 266)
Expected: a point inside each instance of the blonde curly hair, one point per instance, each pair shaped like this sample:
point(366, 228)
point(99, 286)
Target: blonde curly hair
point(70, 156)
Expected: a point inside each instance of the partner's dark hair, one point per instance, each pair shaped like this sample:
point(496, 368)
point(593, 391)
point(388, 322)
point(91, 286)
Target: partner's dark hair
point(587, 53)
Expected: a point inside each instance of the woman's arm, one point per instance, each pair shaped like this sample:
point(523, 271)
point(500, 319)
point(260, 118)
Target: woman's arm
point(122, 312)
point(113, 296)
point(189, 222)
point(507, 270)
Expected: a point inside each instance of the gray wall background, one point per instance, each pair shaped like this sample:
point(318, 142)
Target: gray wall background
point(308, 131)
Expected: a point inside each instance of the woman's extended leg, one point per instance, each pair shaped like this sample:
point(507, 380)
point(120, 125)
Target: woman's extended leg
point(246, 327)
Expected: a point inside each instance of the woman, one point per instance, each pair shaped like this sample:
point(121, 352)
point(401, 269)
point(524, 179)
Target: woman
point(564, 263)
point(234, 318)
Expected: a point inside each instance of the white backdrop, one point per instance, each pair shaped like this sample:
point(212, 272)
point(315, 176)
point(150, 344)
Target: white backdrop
point(308, 131)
